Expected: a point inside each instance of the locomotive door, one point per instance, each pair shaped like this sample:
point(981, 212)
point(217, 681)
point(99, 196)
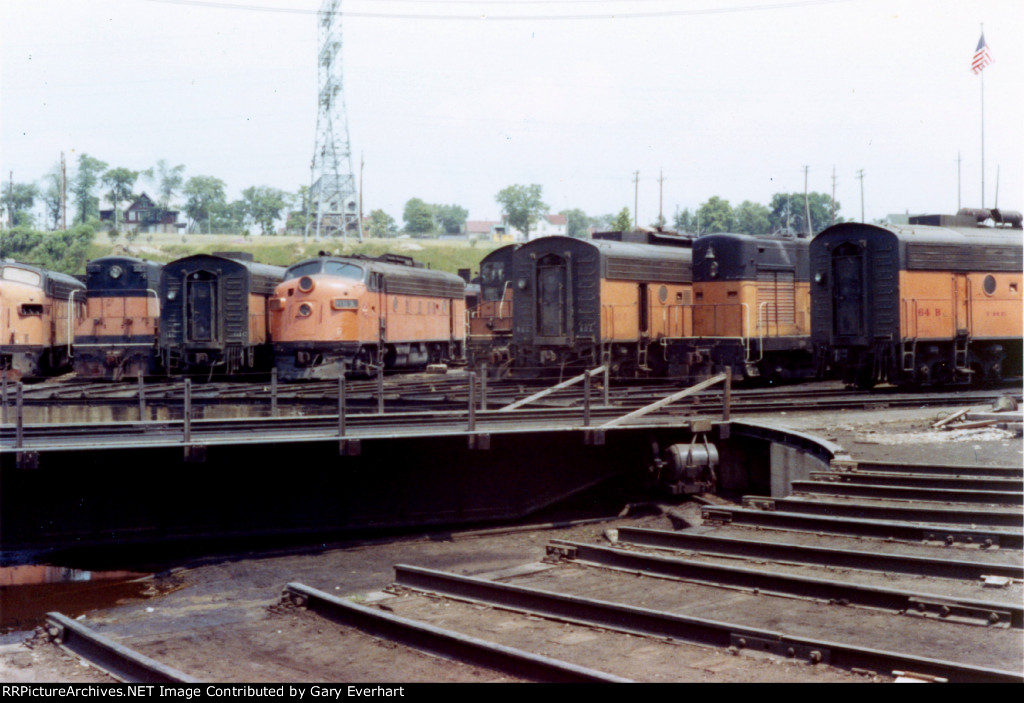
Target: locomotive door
point(551, 294)
point(961, 305)
point(848, 290)
point(200, 307)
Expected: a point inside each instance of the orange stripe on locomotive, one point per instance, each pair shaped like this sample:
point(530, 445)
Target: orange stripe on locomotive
point(353, 313)
point(35, 329)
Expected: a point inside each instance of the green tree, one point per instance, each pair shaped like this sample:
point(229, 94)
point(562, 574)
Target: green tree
point(264, 205)
point(451, 218)
point(18, 199)
point(84, 183)
point(51, 195)
point(381, 225)
point(298, 217)
point(577, 223)
point(715, 216)
point(623, 222)
point(418, 216)
point(789, 212)
point(685, 221)
point(168, 181)
point(204, 197)
point(65, 251)
point(120, 181)
point(523, 205)
point(752, 218)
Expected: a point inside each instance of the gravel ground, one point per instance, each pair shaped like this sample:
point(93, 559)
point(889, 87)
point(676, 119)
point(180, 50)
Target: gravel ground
point(228, 605)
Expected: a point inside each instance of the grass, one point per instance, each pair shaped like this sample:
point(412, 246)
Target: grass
point(283, 251)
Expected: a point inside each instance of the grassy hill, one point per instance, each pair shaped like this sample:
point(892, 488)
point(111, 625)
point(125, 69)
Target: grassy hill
point(282, 251)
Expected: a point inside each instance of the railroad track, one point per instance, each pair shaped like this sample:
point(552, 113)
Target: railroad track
point(650, 601)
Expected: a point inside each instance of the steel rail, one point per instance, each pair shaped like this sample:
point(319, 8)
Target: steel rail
point(823, 489)
point(711, 545)
point(855, 468)
point(918, 480)
point(443, 642)
point(117, 660)
point(947, 608)
point(992, 517)
point(653, 623)
point(886, 529)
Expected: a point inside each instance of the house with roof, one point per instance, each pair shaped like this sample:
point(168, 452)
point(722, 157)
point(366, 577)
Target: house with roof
point(143, 215)
point(546, 226)
point(487, 230)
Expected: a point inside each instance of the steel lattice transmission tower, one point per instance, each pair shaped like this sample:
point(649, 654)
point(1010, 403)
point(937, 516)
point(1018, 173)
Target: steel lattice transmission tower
point(333, 205)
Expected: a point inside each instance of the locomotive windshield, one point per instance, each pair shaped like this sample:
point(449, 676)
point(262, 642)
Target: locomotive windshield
point(20, 275)
point(341, 269)
point(492, 280)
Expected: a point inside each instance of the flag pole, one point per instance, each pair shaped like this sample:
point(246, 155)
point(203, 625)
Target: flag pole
point(983, 129)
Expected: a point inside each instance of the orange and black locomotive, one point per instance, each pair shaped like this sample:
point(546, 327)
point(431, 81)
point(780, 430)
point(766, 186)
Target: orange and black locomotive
point(38, 309)
point(335, 315)
point(490, 321)
point(917, 304)
point(116, 337)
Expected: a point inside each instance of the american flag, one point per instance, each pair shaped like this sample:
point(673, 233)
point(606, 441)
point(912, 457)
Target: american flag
point(981, 56)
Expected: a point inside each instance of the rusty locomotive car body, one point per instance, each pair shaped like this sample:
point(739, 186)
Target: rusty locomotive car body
point(116, 338)
point(917, 304)
point(38, 309)
point(490, 320)
point(214, 315)
point(581, 303)
point(751, 309)
point(351, 315)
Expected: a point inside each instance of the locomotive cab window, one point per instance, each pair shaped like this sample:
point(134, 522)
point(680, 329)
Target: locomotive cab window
point(11, 273)
point(989, 284)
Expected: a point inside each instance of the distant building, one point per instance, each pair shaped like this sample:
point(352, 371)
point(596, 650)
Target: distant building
point(546, 226)
point(487, 230)
point(143, 215)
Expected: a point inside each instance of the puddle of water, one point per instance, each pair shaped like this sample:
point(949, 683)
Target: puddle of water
point(29, 592)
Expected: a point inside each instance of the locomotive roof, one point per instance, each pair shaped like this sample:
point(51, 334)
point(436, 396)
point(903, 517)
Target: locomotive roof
point(401, 277)
point(152, 268)
point(927, 234)
point(740, 256)
point(256, 269)
point(504, 253)
point(54, 283)
point(612, 249)
point(925, 247)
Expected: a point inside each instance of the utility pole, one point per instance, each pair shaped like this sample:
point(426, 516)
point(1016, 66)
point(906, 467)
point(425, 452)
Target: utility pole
point(636, 194)
point(807, 206)
point(661, 199)
point(10, 201)
point(860, 175)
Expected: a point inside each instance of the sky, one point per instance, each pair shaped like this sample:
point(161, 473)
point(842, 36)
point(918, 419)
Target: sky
point(604, 103)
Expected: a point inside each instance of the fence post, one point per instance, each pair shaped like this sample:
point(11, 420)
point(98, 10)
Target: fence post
point(472, 402)
point(483, 385)
point(380, 388)
point(273, 392)
point(727, 397)
point(142, 399)
point(586, 400)
point(20, 432)
point(188, 411)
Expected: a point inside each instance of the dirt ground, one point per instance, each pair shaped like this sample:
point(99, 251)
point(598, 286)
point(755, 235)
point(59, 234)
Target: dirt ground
point(228, 606)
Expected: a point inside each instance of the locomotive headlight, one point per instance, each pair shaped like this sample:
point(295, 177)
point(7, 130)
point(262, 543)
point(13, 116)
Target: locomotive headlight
point(306, 284)
point(305, 310)
point(713, 269)
point(521, 284)
point(116, 271)
point(819, 277)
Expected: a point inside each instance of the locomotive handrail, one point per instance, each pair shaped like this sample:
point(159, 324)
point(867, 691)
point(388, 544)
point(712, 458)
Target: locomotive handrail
point(552, 389)
point(71, 317)
point(760, 334)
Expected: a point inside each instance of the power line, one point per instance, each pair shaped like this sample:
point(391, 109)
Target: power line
point(739, 9)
